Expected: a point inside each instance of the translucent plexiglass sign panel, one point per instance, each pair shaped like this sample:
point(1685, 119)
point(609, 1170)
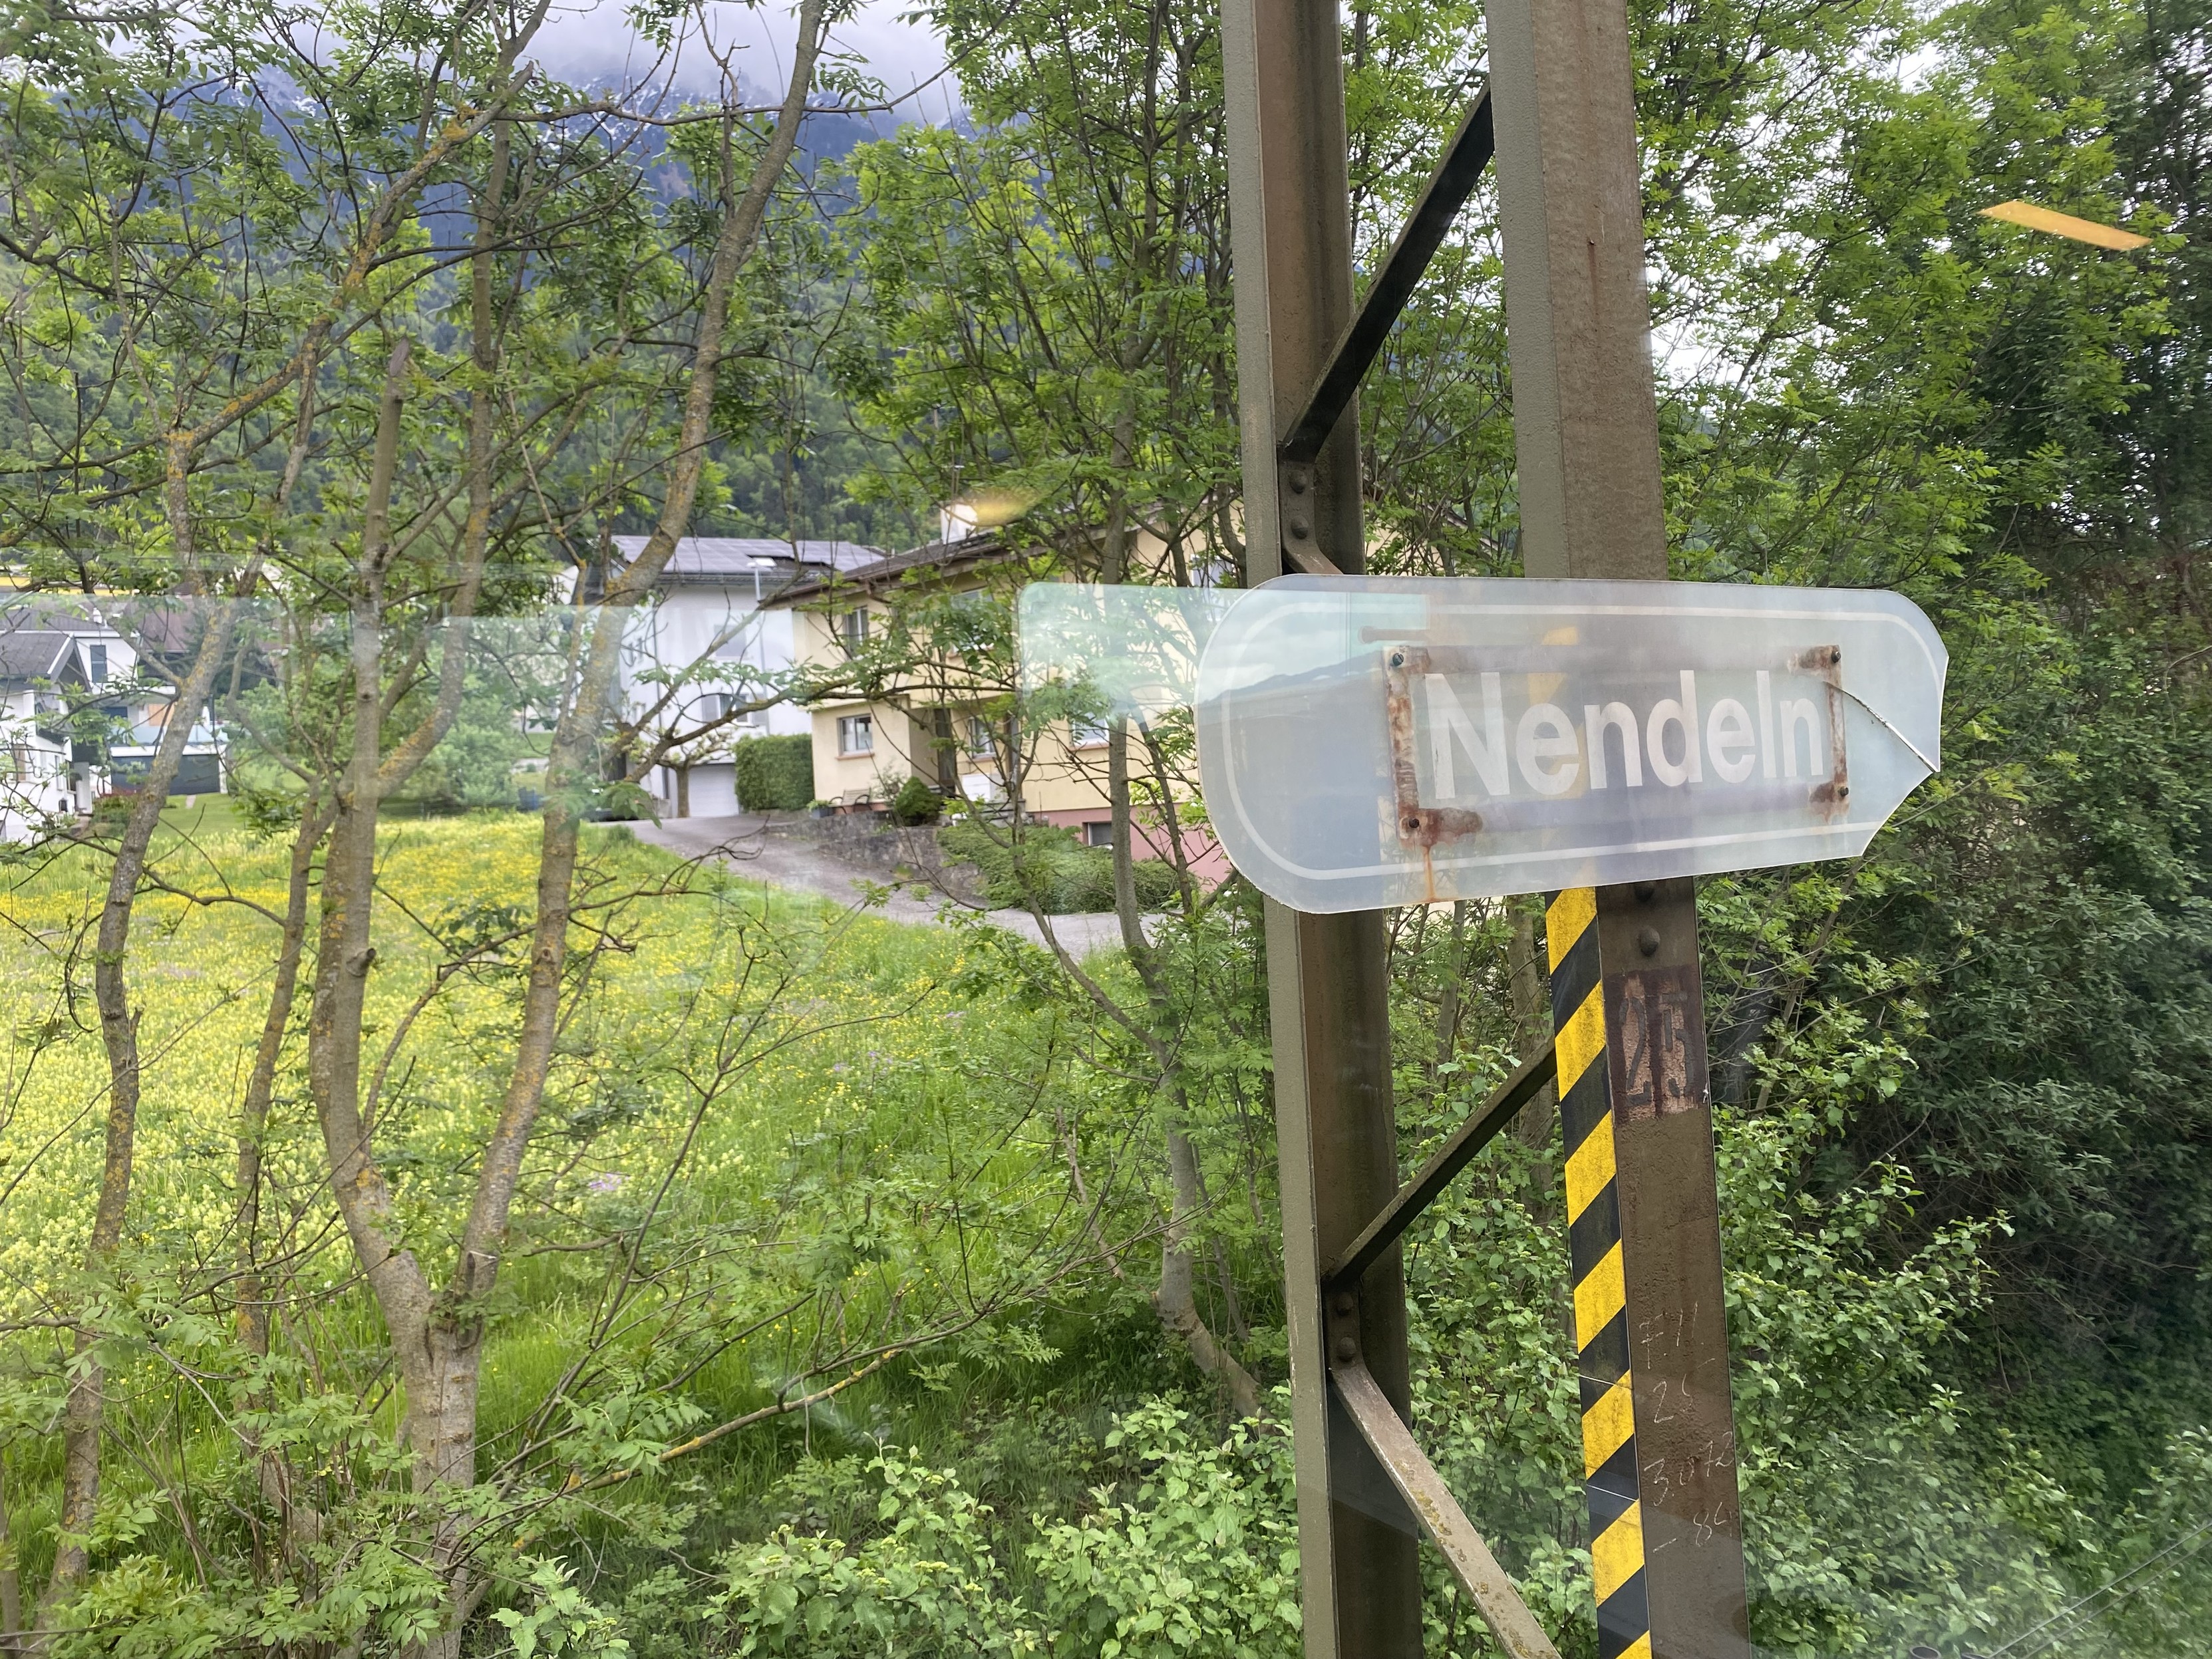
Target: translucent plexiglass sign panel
point(1132, 650)
point(1366, 742)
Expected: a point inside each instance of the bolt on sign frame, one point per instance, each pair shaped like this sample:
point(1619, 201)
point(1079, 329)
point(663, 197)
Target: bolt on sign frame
point(1628, 1054)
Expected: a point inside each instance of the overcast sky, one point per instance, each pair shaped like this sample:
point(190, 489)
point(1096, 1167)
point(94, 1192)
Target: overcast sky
point(590, 41)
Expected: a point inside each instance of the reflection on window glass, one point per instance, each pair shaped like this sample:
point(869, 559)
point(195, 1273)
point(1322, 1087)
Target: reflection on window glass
point(501, 1147)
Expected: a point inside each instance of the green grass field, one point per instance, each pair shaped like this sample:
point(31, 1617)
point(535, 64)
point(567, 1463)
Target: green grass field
point(809, 1125)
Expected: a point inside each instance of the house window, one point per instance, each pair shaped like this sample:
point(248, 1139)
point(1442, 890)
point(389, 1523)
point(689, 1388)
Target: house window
point(980, 738)
point(856, 734)
point(1084, 734)
point(723, 705)
point(96, 664)
point(1098, 834)
point(853, 628)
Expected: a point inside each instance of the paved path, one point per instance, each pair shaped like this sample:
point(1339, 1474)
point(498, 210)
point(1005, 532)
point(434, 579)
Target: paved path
point(750, 843)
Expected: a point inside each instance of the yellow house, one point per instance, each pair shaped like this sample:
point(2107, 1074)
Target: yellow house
point(933, 722)
point(930, 721)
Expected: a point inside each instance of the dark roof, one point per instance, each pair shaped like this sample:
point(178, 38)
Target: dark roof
point(728, 561)
point(940, 556)
point(35, 654)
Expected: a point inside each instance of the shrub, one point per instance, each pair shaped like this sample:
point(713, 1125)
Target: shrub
point(1047, 861)
point(1192, 1553)
point(916, 803)
point(774, 774)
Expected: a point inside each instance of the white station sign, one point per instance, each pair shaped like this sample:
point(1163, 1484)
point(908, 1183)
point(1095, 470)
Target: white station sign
point(1366, 742)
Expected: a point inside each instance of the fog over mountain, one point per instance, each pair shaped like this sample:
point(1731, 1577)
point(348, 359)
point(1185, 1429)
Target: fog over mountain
point(592, 42)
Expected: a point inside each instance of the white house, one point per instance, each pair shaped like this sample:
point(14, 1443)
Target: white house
point(110, 659)
point(57, 654)
point(40, 676)
point(706, 627)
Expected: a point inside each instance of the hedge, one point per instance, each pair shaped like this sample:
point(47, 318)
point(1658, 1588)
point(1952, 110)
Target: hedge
point(775, 774)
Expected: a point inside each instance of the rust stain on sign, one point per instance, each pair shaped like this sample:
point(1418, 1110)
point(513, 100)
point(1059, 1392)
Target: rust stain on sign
point(1418, 825)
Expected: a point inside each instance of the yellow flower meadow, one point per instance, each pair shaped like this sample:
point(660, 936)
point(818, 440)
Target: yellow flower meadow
point(834, 1102)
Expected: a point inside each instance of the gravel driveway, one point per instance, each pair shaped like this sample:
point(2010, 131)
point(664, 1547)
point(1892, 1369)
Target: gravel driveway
point(771, 848)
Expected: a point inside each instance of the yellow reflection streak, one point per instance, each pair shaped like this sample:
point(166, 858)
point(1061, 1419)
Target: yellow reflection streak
point(2065, 224)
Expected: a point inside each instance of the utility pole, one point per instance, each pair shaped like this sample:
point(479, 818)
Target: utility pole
point(1659, 1437)
point(1327, 976)
point(1628, 1056)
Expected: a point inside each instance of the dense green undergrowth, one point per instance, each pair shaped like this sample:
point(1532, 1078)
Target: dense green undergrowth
point(1036, 1468)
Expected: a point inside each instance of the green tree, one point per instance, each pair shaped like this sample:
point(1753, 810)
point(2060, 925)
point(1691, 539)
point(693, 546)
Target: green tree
point(377, 335)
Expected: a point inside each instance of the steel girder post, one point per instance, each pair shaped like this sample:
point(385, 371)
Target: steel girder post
point(1291, 221)
point(1337, 1163)
point(1577, 320)
point(1663, 1495)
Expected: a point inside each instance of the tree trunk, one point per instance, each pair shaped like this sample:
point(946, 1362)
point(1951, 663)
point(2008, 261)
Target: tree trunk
point(1176, 1303)
point(251, 1314)
point(1113, 566)
point(344, 958)
point(85, 1415)
point(440, 1349)
point(1528, 986)
point(252, 1309)
point(441, 1384)
point(1448, 997)
point(11, 1580)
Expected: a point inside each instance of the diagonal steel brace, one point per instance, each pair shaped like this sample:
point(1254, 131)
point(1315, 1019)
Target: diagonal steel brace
point(1465, 157)
point(1447, 1526)
point(1408, 1468)
point(1416, 1195)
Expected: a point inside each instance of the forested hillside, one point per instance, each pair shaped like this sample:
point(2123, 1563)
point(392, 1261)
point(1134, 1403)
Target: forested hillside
point(489, 1233)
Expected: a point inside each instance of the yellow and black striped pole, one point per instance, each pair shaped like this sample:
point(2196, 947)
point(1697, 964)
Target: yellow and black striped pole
point(1624, 1623)
point(1649, 1313)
